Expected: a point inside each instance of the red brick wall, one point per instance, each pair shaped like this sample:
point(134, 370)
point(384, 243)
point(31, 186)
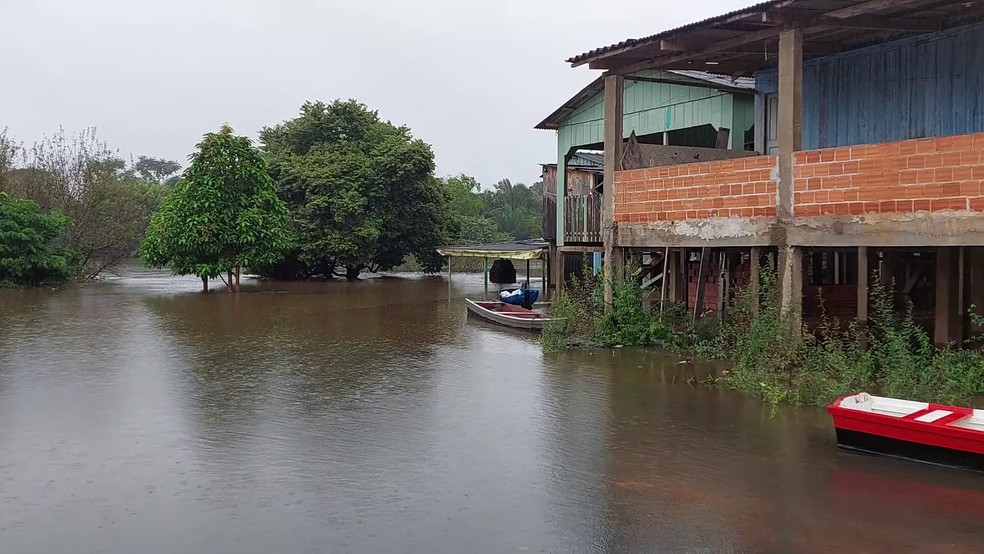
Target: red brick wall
point(739, 273)
point(921, 175)
point(727, 188)
point(839, 301)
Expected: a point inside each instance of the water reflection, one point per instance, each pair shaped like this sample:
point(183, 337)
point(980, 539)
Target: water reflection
point(140, 415)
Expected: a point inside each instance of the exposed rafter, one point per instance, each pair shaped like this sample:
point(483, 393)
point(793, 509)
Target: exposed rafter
point(873, 6)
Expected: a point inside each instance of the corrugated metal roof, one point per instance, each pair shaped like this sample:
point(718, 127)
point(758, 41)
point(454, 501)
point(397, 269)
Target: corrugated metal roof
point(746, 83)
point(633, 42)
point(830, 26)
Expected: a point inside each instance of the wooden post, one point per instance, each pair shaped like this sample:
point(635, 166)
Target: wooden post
point(755, 278)
point(485, 275)
point(559, 271)
point(543, 279)
point(948, 323)
point(790, 114)
point(791, 287)
point(960, 311)
point(863, 293)
point(941, 327)
point(449, 276)
point(705, 269)
point(614, 88)
point(562, 156)
point(975, 288)
point(666, 277)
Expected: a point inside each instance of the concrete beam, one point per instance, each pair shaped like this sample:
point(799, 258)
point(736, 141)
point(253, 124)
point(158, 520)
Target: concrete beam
point(790, 114)
point(614, 89)
point(923, 229)
point(714, 232)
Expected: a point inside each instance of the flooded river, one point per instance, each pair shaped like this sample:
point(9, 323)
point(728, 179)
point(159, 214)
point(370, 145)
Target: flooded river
point(139, 415)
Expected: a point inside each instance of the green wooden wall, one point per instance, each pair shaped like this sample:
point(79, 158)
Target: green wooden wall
point(653, 108)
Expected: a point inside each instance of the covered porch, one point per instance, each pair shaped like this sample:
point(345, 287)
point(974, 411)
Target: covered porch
point(868, 184)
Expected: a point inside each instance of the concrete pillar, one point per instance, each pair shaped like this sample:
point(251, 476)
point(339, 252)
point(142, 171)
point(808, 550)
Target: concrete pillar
point(790, 114)
point(672, 275)
point(614, 88)
point(702, 273)
point(755, 278)
point(947, 328)
point(791, 286)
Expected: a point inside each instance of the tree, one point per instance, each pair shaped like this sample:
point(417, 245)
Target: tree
point(517, 209)
point(156, 170)
point(468, 208)
point(361, 192)
point(223, 215)
point(109, 203)
point(30, 253)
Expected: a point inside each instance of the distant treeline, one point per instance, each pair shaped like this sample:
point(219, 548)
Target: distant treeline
point(333, 192)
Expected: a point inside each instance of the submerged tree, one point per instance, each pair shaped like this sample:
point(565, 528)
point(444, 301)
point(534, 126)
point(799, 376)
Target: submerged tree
point(361, 192)
point(223, 215)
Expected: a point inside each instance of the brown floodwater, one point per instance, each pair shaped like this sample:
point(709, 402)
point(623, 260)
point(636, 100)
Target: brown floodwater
point(139, 415)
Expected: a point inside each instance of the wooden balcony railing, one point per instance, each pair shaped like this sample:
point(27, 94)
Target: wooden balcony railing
point(582, 218)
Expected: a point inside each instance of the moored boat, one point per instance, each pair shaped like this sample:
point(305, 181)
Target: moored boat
point(932, 433)
point(510, 315)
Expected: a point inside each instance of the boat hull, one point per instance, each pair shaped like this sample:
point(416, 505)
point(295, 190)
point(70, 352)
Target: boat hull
point(929, 433)
point(509, 315)
point(881, 445)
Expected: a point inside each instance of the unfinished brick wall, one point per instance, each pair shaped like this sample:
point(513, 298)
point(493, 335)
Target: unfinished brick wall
point(921, 175)
point(740, 274)
point(726, 188)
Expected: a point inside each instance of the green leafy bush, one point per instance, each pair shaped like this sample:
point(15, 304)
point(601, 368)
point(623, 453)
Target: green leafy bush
point(30, 248)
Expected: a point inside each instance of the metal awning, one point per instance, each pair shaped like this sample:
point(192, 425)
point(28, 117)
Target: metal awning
point(745, 41)
point(519, 250)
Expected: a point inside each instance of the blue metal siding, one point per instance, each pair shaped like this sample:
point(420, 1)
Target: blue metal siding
point(921, 87)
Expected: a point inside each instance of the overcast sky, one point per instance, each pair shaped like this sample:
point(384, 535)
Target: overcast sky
point(471, 78)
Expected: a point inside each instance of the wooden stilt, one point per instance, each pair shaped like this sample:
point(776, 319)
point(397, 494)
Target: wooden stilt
point(863, 293)
point(666, 278)
point(946, 262)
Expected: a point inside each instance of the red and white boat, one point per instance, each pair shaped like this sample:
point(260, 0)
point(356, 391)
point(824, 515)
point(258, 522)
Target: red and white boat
point(509, 315)
point(932, 433)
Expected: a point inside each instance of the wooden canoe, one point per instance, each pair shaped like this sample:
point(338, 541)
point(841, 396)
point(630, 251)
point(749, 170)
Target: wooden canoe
point(509, 315)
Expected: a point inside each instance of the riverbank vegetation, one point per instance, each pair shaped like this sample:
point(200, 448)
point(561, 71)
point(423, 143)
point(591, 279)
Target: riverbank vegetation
point(102, 202)
point(892, 355)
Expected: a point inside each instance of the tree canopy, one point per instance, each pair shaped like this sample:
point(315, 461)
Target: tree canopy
point(361, 192)
point(506, 212)
point(223, 215)
point(31, 252)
